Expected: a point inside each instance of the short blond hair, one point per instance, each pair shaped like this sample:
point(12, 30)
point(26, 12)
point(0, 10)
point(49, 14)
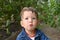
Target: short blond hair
point(28, 9)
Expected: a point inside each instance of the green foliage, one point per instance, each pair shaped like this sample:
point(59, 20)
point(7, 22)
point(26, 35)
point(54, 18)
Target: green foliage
point(48, 11)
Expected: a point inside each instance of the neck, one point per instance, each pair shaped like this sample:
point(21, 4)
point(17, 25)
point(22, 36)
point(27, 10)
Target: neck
point(31, 33)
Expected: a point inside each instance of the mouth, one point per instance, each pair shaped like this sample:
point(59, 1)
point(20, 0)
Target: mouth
point(31, 25)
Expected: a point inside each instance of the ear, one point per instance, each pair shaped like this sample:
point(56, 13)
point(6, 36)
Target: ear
point(21, 23)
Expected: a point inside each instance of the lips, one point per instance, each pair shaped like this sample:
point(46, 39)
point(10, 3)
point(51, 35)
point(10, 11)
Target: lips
point(31, 25)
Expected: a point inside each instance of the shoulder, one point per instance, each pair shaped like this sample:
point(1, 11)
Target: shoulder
point(42, 35)
point(19, 36)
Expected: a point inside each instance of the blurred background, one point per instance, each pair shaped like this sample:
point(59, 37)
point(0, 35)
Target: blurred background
point(48, 11)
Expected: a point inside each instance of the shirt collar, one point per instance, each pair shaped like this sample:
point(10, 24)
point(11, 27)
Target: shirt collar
point(24, 34)
point(38, 33)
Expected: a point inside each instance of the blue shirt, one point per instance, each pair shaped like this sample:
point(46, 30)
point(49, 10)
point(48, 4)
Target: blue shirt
point(39, 35)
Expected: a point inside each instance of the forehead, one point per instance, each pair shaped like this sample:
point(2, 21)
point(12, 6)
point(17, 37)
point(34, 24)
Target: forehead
point(29, 13)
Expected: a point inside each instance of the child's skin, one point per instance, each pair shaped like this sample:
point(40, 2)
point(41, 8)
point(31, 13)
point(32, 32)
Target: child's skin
point(29, 22)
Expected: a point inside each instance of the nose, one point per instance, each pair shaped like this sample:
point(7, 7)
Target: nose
point(30, 20)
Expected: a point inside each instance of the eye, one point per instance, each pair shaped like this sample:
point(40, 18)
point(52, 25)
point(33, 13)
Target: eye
point(33, 18)
point(26, 18)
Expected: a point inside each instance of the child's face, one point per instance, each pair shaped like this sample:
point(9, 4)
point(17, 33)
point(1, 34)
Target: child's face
point(29, 20)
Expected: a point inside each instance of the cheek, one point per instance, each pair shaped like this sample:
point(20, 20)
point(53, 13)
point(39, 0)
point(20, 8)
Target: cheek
point(24, 23)
point(35, 23)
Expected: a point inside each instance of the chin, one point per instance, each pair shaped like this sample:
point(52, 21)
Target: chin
point(31, 29)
